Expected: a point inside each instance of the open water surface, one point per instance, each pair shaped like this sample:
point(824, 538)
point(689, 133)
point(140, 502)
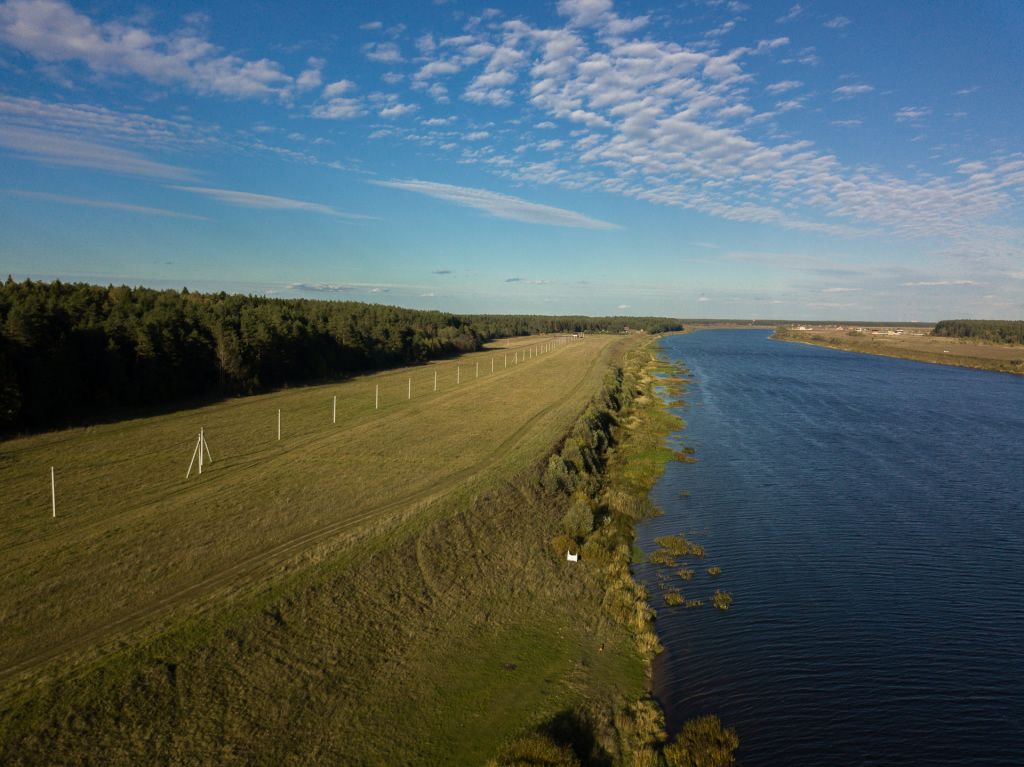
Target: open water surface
point(868, 515)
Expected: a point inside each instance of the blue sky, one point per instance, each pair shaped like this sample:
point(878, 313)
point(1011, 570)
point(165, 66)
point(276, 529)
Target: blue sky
point(693, 159)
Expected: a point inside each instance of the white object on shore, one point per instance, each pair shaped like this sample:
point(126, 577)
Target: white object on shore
point(572, 557)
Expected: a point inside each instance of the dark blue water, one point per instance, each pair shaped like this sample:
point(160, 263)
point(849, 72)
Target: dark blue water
point(868, 515)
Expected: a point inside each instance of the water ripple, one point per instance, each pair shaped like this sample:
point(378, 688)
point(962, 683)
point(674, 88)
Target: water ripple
point(868, 516)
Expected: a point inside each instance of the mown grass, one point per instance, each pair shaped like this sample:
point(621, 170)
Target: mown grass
point(430, 632)
point(134, 539)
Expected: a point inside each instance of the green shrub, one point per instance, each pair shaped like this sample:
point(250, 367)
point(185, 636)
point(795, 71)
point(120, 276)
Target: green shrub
point(563, 543)
point(703, 742)
point(536, 750)
point(722, 600)
point(579, 519)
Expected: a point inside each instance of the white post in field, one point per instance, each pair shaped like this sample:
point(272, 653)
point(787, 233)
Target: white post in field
point(435, 380)
point(334, 410)
point(201, 450)
point(410, 389)
point(53, 493)
point(376, 398)
point(506, 360)
point(458, 374)
point(478, 370)
point(279, 424)
point(492, 364)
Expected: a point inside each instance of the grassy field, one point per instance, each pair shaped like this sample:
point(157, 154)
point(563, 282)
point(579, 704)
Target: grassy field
point(182, 622)
point(1005, 358)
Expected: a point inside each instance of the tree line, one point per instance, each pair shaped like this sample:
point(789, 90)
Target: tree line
point(506, 325)
point(994, 331)
point(71, 352)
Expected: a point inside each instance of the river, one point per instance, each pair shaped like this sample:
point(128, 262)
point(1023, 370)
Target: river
point(868, 517)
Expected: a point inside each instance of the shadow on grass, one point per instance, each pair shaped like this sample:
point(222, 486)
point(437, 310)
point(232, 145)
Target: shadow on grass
point(571, 729)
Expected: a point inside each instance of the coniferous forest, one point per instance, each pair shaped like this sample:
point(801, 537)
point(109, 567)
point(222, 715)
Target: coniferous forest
point(994, 331)
point(74, 352)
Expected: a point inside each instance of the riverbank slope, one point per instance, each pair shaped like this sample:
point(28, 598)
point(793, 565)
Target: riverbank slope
point(1003, 358)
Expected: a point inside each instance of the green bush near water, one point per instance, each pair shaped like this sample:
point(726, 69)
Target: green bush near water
point(703, 742)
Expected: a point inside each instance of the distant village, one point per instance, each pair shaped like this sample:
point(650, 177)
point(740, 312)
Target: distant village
point(895, 331)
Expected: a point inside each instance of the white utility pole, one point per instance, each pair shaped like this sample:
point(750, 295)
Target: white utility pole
point(376, 398)
point(279, 424)
point(334, 412)
point(458, 374)
point(201, 449)
point(435, 380)
point(410, 389)
point(53, 493)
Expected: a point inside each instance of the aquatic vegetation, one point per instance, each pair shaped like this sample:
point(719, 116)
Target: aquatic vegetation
point(691, 603)
point(714, 570)
point(674, 544)
point(661, 557)
point(722, 600)
point(686, 574)
point(674, 598)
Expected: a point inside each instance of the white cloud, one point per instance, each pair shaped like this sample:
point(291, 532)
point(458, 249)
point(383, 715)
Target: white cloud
point(310, 78)
point(837, 23)
point(849, 91)
point(397, 110)
point(338, 109)
point(370, 25)
point(783, 86)
point(267, 202)
point(54, 32)
point(622, 306)
point(841, 290)
point(550, 146)
point(500, 205)
point(383, 52)
point(320, 287)
point(940, 283)
point(479, 135)
point(107, 204)
point(907, 114)
point(584, 12)
point(791, 14)
point(337, 88)
point(59, 149)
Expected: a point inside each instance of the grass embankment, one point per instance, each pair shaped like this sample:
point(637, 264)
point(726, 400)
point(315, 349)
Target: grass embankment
point(959, 352)
point(431, 637)
point(442, 627)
